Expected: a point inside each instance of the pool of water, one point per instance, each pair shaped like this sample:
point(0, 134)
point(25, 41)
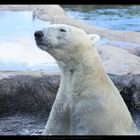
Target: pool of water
point(18, 50)
point(116, 17)
point(21, 124)
point(15, 24)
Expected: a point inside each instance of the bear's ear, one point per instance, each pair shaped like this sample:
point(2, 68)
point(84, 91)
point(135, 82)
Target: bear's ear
point(94, 38)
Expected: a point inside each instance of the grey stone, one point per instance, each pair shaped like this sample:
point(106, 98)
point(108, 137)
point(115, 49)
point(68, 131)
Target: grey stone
point(29, 94)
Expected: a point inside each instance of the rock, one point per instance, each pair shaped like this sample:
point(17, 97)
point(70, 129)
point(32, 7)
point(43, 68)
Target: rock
point(135, 50)
point(15, 7)
point(28, 93)
point(36, 94)
point(119, 61)
point(129, 88)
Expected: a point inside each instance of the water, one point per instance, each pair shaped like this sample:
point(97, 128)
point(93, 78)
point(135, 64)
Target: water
point(15, 24)
point(115, 17)
point(18, 50)
point(21, 124)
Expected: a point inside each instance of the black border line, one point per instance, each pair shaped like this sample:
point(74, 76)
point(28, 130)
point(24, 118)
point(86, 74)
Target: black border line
point(70, 2)
point(80, 2)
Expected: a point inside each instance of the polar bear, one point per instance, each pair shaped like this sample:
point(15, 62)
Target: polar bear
point(87, 102)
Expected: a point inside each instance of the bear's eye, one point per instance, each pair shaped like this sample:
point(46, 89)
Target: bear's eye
point(62, 30)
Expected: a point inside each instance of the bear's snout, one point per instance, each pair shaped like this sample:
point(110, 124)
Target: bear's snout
point(38, 34)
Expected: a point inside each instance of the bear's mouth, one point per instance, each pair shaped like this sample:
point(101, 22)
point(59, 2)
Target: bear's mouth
point(43, 43)
point(48, 45)
point(40, 43)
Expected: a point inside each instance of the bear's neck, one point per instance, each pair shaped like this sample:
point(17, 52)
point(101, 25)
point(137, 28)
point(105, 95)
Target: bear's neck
point(76, 79)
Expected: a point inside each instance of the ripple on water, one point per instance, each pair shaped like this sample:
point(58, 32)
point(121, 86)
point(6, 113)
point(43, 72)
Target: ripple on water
point(21, 125)
point(115, 17)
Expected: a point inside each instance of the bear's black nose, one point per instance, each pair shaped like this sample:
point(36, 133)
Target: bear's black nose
point(38, 34)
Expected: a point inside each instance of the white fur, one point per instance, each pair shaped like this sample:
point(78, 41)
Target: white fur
point(87, 102)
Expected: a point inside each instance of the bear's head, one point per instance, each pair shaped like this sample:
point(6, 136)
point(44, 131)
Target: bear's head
point(64, 42)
